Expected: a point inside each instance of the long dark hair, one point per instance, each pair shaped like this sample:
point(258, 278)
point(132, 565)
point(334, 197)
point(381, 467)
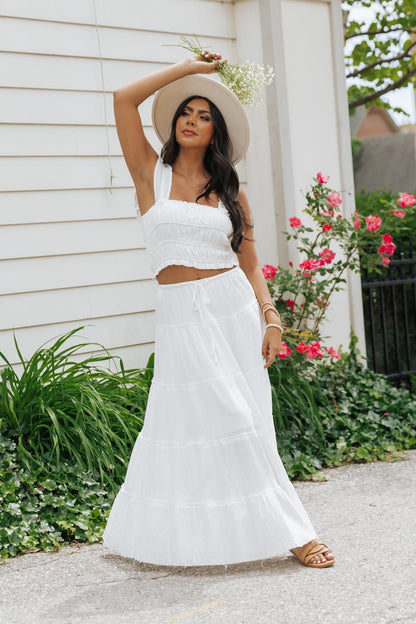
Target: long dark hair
point(217, 161)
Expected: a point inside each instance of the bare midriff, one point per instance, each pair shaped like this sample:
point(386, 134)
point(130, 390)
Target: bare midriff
point(175, 273)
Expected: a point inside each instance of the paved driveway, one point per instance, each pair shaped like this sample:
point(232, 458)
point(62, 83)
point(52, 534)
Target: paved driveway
point(365, 512)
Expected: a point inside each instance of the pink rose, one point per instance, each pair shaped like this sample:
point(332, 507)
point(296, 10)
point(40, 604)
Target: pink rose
point(373, 222)
point(385, 261)
point(334, 199)
point(327, 255)
point(399, 213)
point(328, 212)
point(269, 271)
point(326, 227)
point(314, 350)
point(322, 179)
point(295, 222)
point(332, 352)
point(387, 246)
point(405, 200)
point(357, 221)
point(284, 351)
point(312, 264)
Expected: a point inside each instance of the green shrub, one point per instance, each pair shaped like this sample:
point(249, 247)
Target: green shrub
point(43, 509)
point(375, 202)
point(55, 488)
point(352, 414)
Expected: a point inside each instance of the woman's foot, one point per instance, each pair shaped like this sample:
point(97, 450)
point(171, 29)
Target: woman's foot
point(314, 554)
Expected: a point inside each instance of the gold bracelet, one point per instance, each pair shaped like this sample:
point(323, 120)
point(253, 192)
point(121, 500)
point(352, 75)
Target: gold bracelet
point(274, 310)
point(266, 303)
point(268, 306)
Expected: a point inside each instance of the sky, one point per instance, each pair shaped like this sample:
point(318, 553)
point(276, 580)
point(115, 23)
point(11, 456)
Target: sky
point(404, 98)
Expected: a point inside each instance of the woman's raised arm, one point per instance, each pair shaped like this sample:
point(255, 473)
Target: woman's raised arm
point(138, 153)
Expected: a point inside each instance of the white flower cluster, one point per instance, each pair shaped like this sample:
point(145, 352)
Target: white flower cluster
point(245, 80)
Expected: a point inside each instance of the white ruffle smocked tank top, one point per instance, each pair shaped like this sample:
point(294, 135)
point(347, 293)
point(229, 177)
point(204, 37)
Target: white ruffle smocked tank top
point(185, 233)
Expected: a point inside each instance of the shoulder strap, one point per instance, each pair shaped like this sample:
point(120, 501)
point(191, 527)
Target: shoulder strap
point(162, 180)
point(136, 207)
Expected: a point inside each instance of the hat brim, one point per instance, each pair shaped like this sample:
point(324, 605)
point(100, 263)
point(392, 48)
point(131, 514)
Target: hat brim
point(167, 100)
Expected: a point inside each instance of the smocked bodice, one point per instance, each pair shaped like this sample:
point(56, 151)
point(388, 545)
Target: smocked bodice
point(185, 233)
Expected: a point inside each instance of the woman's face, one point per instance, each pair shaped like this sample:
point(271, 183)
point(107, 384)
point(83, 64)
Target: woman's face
point(194, 126)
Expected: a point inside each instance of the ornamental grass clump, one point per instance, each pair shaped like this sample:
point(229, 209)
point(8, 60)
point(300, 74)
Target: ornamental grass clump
point(61, 410)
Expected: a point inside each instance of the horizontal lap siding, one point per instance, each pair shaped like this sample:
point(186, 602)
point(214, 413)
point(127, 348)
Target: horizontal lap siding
point(128, 265)
point(78, 304)
point(71, 248)
point(202, 17)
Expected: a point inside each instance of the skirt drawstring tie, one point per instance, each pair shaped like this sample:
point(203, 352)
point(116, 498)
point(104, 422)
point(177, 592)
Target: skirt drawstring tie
point(200, 300)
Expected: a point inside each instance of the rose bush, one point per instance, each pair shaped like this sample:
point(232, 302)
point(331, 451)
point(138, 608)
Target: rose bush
point(381, 202)
point(302, 295)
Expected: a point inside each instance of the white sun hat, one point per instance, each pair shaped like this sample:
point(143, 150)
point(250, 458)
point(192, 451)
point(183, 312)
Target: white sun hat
point(167, 100)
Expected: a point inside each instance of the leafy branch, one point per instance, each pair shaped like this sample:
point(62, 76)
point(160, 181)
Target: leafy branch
point(382, 54)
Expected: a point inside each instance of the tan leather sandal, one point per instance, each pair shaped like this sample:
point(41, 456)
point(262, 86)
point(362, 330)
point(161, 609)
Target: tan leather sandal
point(310, 550)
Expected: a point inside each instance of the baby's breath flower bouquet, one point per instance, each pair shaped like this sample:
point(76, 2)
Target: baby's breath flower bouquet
point(244, 79)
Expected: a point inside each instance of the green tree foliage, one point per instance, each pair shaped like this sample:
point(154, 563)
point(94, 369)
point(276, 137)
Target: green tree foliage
point(380, 57)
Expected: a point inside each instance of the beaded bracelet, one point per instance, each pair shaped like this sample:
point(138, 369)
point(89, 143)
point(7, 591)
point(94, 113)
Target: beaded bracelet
point(274, 325)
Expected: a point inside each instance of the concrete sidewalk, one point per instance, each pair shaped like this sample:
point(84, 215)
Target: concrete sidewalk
point(365, 512)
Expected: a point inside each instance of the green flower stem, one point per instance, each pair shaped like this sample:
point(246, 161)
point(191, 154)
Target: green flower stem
point(309, 253)
point(315, 242)
point(305, 308)
point(328, 296)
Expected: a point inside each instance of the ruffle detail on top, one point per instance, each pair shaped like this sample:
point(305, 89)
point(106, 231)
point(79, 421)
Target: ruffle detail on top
point(189, 234)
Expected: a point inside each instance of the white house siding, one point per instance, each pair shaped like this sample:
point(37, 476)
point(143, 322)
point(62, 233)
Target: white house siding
point(308, 120)
point(258, 163)
point(71, 247)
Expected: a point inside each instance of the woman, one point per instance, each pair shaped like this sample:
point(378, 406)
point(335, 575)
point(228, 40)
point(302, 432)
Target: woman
point(205, 484)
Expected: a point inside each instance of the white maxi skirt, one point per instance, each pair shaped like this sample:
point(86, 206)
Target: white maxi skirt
point(205, 484)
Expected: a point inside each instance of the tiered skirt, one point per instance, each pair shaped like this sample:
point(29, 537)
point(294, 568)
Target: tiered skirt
point(205, 484)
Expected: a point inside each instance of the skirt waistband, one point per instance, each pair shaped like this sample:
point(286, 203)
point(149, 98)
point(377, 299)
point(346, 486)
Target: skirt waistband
point(199, 293)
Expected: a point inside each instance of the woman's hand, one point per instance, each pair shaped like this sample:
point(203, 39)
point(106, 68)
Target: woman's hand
point(272, 343)
point(195, 65)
